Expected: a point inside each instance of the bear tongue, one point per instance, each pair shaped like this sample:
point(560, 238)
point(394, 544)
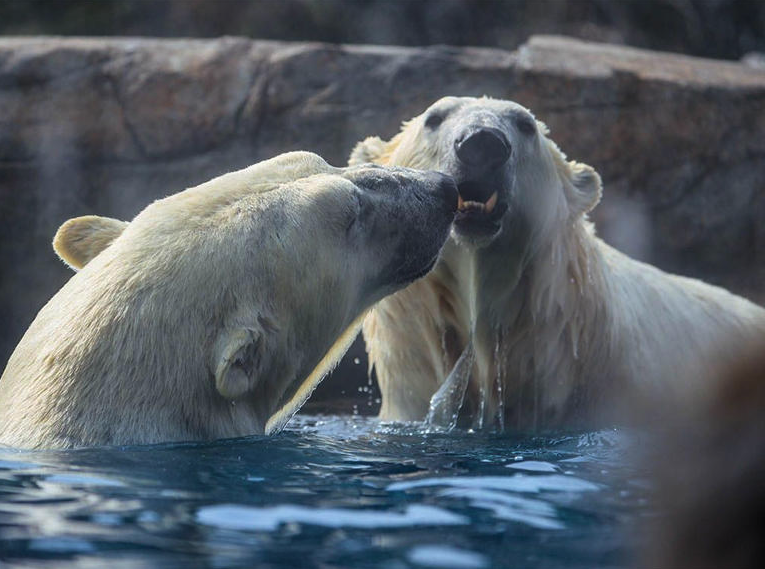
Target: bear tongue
point(463, 205)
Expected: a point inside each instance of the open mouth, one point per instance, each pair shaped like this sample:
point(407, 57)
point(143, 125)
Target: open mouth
point(479, 212)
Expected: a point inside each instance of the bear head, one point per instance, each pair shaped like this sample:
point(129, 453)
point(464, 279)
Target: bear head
point(269, 270)
point(509, 174)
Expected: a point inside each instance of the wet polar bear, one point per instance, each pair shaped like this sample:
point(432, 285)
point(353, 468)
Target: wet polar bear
point(538, 319)
point(217, 310)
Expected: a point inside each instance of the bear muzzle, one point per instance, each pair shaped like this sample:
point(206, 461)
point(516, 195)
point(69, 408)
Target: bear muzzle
point(483, 149)
point(481, 153)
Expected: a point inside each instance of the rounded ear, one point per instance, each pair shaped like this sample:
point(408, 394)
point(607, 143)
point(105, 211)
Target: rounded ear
point(370, 149)
point(80, 239)
point(236, 361)
point(586, 188)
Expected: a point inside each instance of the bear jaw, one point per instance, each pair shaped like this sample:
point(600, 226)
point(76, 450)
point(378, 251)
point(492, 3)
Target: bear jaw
point(300, 390)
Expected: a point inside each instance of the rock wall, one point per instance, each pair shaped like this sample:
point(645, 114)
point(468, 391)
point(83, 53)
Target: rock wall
point(106, 125)
point(724, 29)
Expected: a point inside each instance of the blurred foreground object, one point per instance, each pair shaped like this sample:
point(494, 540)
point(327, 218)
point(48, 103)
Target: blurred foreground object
point(712, 478)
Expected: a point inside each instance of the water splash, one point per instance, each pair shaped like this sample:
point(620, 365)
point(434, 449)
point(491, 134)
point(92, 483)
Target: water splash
point(446, 403)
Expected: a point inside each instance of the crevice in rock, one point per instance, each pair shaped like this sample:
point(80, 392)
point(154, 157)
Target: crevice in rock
point(239, 111)
point(129, 127)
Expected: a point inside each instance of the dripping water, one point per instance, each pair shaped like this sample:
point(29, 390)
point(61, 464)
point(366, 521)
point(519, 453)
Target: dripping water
point(479, 419)
point(499, 368)
point(446, 403)
point(574, 341)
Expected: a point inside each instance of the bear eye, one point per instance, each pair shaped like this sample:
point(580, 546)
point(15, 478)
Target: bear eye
point(434, 119)
point(526, 125)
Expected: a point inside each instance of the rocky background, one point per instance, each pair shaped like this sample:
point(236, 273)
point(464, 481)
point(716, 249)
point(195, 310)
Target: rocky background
point(724, 29)
point(106, 125)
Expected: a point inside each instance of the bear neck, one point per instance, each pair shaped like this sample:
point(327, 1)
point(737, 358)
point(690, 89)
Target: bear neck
point(531, 311)
point(560, 306)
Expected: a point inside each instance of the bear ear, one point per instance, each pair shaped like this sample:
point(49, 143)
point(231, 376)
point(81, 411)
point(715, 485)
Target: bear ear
point(587, 188)
point(370, 149)
point(80, 239)
point(236, 361)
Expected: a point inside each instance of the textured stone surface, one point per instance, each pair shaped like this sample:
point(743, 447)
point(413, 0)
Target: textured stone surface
point(106, 125)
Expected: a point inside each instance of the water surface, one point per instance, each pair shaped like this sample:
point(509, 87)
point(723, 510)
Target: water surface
point(328, 492)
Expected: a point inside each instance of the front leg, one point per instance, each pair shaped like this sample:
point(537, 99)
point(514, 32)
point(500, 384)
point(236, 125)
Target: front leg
point(410, 351)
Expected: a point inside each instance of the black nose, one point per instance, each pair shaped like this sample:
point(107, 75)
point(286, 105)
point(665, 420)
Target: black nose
point(485, 148)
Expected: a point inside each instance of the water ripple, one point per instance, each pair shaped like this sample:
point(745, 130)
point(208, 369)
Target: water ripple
point(327, 492)
point(516, 483)
point(231, 516)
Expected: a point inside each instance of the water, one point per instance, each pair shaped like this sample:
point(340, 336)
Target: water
point(445, 404)
point(327, 492)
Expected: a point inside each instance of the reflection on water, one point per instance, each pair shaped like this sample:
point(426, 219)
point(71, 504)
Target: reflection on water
point(339, 492)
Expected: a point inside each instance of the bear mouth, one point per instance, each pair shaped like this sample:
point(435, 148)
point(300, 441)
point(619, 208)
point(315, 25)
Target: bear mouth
point(479, 211)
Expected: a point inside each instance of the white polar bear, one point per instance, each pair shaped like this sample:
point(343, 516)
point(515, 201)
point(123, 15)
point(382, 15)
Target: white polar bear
point(544, 320)
point(217, 310)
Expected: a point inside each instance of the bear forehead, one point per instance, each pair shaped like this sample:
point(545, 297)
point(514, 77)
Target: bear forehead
point(453, 104)
point(320, 182)
point(365, 176)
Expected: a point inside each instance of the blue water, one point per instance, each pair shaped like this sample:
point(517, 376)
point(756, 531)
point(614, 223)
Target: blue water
point(328, 492)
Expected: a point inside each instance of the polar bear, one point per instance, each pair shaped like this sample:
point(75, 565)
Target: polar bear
point(217, 310)
point(528, 315)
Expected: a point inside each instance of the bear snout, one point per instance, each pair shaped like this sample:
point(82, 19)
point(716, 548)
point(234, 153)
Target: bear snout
point(446, 189)
point(485, 148)
point(429, 183)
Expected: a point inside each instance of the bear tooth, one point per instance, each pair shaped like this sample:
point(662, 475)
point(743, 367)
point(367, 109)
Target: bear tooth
point(460, 202)
point(491, 202)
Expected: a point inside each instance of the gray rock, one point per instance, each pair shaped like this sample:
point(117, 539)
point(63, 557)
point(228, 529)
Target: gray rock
point(754, 59)
point(107, 125)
